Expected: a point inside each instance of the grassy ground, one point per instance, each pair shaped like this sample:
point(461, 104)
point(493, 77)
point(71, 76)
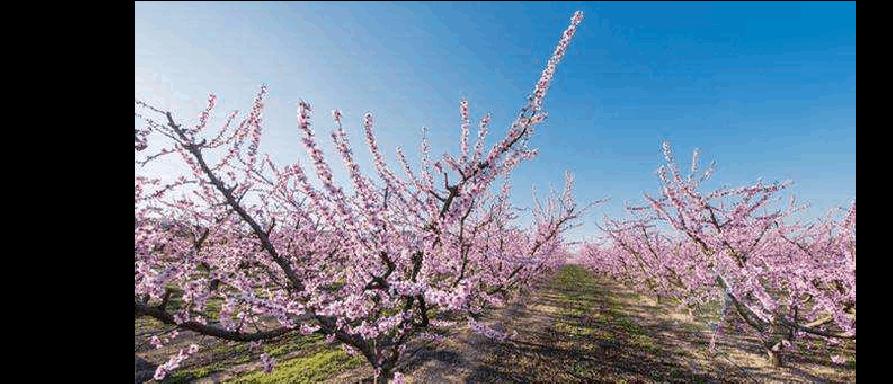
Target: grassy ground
point(579, 328)
point(576, 328)
point(300, 359)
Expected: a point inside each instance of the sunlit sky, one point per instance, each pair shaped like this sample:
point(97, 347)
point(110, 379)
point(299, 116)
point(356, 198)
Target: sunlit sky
point(764, 89)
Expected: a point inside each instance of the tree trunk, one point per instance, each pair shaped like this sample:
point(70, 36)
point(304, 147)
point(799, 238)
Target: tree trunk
point(384, 376)
point(385, 369)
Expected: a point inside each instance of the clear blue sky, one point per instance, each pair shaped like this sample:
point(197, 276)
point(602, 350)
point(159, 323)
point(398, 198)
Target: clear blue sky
point(765, 89)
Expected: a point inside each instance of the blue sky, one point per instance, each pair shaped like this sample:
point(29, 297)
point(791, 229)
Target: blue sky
point(764, 89)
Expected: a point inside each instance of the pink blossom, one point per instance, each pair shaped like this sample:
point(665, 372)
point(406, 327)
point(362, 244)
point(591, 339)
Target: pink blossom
point(288, 249)
point(268, 362)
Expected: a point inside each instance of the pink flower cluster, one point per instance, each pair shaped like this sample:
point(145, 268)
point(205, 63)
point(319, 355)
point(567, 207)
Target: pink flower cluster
point(267, 362)
point(286, 248)
point(175, 361)
point(737, 246)
point(486, 331)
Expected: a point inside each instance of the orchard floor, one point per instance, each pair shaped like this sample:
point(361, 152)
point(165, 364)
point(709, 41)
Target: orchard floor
point(576, 328)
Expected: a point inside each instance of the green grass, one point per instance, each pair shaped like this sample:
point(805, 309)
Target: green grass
point(294, 343)
point(578, 291)
point(226, 355)
point(644, 341)
point(576, 286)
point(240, 355)
point(307, 369)
point(182, 376)
point(573, 329)
point(625, 323)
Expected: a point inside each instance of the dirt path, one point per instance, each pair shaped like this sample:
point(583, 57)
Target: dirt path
point(575, 328)
point(579, 328)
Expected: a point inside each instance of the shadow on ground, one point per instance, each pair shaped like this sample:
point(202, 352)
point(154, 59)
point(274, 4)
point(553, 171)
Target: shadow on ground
point(579, 328)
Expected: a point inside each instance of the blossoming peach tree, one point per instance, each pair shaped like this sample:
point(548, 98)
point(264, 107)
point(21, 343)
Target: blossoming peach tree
point(783, 278)
point(372, 265)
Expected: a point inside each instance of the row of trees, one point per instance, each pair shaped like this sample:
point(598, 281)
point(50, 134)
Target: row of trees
point(242, 249)
point(372, 265)
point(783, 277)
